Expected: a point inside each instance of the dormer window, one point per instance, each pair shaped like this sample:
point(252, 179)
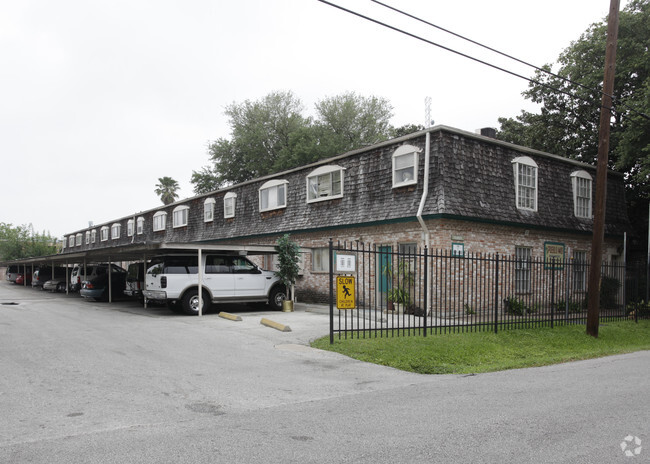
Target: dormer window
point(405, 166)
point(181, 215)
point(581, 182)
point(93, 236)
point(525, 174)
point(103, 233)
point(130, 225)
point(159, 221)
point(116, 229)
point(273, 195)
point(208, 210)
point(325, 183)
point(78, 239)
point(139, 225)
point(229, 201)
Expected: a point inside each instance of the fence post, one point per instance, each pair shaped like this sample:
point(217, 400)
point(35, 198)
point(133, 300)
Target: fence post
point(426, 289)
point(496, 293)
point(331, 263)
point(552, 290)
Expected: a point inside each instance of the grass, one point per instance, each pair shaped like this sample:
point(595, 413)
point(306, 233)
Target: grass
point(465, 353)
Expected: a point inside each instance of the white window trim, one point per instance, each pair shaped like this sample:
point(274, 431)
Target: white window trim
point(87, 237)
point(139, 226)
point(208, 209)
point(71, 241)
point(162, 214)
point(186, 216)
point(270, 185)
point(320, 172)
point(526, 161)
point(403, 151)
point(231, 196)
point(574, 184)
point(93, 236)
point(78, 239)
point(116, 231)
point(103, 236)
point(130, 230)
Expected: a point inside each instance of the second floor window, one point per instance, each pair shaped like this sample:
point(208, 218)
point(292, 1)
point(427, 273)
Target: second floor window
point(525, 173)
point(103, 234)
point(129, 227)
point(159, 221)
point(229, 204)
point(139, 225)
point(181, 215)
point(325, 183)
point(581, 183)
point(115, 231)
point(405, 166)
point(273, 195)
point(208, 210)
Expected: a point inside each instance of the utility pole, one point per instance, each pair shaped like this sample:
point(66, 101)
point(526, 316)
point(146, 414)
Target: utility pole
point(593, 302)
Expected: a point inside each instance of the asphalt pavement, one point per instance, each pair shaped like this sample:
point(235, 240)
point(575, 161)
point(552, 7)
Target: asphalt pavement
point(86, 382)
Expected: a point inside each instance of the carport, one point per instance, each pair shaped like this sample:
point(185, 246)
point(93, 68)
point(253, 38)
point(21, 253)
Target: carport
point(137, 252)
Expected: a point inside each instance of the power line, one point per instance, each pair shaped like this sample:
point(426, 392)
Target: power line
point(564, 79)
point(464, 55)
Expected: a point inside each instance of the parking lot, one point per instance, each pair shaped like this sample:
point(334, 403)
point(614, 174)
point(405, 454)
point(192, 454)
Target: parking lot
point(116, 383)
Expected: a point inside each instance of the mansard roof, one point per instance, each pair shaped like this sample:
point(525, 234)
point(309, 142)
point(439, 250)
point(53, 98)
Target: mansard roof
point(470, 177)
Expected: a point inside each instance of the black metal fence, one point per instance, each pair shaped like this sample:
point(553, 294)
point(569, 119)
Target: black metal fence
point(418, 292)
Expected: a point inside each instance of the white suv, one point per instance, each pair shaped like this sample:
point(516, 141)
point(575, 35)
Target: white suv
point(174, 279)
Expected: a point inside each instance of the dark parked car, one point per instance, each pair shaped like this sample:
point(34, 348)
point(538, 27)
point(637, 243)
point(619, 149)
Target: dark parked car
point(97, 287)
point(44, 274)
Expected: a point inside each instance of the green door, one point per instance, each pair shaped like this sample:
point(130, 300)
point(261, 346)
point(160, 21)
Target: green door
point(384, 273)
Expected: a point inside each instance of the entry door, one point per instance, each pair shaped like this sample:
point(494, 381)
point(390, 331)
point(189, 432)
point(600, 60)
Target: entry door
point(384, 271)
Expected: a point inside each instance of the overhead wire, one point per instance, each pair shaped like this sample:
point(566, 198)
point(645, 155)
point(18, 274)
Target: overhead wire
point(464, 55)
point(537, 68)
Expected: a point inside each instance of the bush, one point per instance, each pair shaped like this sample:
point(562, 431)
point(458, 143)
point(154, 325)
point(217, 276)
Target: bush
point(514, 305)
point(574, 306)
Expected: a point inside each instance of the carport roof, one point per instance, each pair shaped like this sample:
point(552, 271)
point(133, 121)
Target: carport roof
point(136, 252)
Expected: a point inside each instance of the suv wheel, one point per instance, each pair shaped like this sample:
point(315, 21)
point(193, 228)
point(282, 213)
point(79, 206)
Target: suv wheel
point(278, 295)
point(190, 303)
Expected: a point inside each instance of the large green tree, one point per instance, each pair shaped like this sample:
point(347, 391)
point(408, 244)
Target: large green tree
point(567, 123)
point(22, 242)
point(272, 134)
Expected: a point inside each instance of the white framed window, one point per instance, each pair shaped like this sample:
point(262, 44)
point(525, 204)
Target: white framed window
point(273, 195)
point(229, 201)
point(180, 216)
point(320, 259)
point(159, 221)
point(93, 236)
point(116, 230)
point(139, 225)
point(208, 209)
point(405, 166)
point(64, 243)
point(525, 173)
point(71, 241)
point(78, 239)
point(325, 183)
point(582, 182)
point(103, 233)
point(522, 269)
point(87, 236)
point(130, 226)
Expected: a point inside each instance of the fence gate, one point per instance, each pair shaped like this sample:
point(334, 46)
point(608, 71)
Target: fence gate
point(416, 292)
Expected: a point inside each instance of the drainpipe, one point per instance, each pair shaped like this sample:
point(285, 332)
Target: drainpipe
point(425, 229)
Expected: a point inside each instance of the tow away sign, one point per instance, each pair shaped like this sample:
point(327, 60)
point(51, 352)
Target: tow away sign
point(345, 292)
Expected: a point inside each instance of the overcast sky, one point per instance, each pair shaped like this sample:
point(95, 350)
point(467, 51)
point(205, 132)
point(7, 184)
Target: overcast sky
point(100, 98)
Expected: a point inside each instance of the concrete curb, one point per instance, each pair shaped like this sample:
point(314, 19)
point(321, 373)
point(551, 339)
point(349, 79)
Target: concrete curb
point(275, 325)
point(230, 317)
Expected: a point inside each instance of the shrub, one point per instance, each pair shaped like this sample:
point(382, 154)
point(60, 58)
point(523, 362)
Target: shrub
point(514, 305)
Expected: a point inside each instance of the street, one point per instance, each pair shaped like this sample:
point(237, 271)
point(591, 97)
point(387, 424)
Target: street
point(86, 382)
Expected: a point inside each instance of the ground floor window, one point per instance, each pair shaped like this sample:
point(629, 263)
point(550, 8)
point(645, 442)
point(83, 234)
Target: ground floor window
point(522, 269)
point(579, 271)
point(320, 260)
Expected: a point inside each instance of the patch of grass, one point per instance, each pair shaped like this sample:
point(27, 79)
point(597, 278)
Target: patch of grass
point(475, 352)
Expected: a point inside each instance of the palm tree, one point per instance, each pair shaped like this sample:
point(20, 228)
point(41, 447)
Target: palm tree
point(166, 189)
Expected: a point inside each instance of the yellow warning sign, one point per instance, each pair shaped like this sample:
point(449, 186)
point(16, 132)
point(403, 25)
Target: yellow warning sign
point(345, 292)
